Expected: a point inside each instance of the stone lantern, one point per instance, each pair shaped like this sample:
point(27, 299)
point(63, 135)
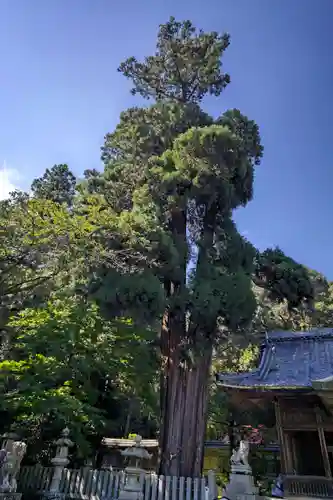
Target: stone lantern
point(60, 461)
point(131, 490)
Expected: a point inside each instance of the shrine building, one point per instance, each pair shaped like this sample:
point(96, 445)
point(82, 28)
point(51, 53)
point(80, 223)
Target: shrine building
point(296, 374)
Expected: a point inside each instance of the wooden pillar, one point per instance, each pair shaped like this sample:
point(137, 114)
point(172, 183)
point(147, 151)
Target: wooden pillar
point(290, 466)
point(323, 447)
point(278, 421)
point(294, 454)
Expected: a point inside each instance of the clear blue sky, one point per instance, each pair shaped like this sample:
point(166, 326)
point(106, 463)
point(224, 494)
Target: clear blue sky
point(60, 93)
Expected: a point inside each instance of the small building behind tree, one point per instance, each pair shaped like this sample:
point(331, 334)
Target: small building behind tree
point(296, 374)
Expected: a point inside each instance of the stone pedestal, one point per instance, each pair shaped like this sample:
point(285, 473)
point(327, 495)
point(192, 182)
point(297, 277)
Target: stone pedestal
point(132, 489)
point(53, 495)
point(59, 462)
point(10, 496)
point(241, 484)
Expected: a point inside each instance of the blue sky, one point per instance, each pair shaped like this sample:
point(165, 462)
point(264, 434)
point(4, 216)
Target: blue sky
point(60, 93)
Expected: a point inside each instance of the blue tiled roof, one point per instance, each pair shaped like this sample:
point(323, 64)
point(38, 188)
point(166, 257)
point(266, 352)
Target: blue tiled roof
point(288, 360)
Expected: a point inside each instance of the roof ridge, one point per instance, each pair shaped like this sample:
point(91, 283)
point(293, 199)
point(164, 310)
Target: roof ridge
point(288, 365)
point(284, 335)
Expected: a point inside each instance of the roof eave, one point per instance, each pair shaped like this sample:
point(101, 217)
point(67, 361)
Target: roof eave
point(266, 388)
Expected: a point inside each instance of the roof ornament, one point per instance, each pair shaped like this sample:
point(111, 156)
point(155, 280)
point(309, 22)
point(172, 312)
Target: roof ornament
point(268, 340)
point(274, 366)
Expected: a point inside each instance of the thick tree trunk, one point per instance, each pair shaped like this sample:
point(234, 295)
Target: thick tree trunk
point(184, 413)
point(184, 384)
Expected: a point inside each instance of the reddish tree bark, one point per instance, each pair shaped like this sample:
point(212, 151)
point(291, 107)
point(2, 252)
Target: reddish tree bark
point(184, 384)
point(184, 409)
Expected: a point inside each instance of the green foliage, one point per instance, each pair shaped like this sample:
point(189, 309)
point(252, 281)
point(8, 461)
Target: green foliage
point(246, 130)
point(323, 310)
point(284, 278)
point(139, 293)
point(234, 354)
point(208, 167)
point(186, 66)
point(57, 184)
point(140, 134)
point(38, 241)
point(60, 361)
point(144, 132)
point(68, 366)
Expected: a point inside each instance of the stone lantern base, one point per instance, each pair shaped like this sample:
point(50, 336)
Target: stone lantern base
point(52, 495)
point(132, 490)
point(130, 495)
point(10, 496)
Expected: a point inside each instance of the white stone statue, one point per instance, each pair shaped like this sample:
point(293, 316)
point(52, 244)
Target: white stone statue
point(240, 456)
point(19, 450)
point(12, 457)
point(241, 483)
point(4, 471)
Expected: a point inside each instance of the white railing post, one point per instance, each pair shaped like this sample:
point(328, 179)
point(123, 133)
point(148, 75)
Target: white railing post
point(212, 486)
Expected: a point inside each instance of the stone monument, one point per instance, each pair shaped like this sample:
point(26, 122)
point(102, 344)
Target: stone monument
point(11, 456)
point(131, 489)
point(59, 462)
point(241, 484)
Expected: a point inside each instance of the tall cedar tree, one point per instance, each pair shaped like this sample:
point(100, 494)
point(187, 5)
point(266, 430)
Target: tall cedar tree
point(175, 176)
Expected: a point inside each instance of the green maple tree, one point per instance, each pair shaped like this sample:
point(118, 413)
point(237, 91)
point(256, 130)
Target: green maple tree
point(67, 366)
point(37, 244)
